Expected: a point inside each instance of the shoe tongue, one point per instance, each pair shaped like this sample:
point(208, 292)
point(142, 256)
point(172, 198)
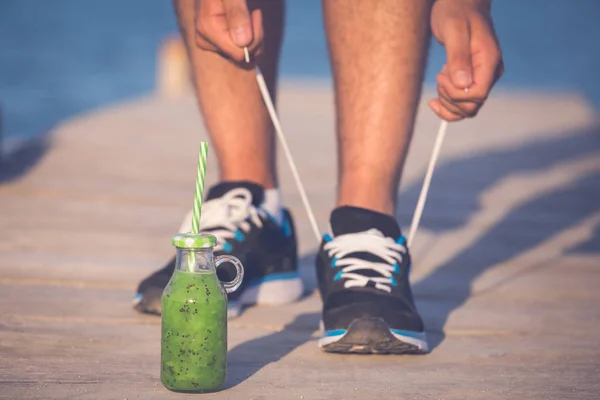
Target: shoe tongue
point(348, 219)
point(219, 190)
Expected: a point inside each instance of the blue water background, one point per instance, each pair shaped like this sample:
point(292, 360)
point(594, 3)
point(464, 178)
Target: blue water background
point(62, 57)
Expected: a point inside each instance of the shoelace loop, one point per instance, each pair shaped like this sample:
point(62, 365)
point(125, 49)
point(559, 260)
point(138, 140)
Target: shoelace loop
point(373, 242)
point(225, 215)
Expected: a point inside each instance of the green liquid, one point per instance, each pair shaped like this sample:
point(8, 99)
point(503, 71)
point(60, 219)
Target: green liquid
point(194, 333)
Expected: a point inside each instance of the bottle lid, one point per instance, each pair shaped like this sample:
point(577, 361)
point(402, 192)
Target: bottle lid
point(194, 241)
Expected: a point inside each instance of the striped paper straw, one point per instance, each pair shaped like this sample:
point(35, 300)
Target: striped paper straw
point(198, 193)
point(197, 210)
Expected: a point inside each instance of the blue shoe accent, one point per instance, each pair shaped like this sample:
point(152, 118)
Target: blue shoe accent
point(285, 223)
point(138, 297)
point(327, 237)
point(239, 236)
point(275, 277)
point(338, 276)
point(227, 247)
point(415, 335)
point(401, 240)
point(341, 332)
point(287, 228)
point(281, 276)
point(335, 332)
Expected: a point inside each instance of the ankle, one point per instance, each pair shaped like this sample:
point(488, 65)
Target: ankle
point(369, 199)
point(366, 189)
point(384, 208)
point(263, 179)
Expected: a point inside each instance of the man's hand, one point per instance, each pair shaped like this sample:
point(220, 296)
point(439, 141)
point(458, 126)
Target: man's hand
point(474, 60)
point(227, 26)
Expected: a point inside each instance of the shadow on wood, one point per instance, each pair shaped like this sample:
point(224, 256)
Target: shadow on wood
point(26, 156)
point(523, 228)
point(247, 358)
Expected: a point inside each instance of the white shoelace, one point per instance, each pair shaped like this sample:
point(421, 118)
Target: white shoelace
point(373, 242)
point(223, 216)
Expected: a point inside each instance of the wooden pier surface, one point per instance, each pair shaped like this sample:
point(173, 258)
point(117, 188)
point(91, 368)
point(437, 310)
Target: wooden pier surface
point(506, 266)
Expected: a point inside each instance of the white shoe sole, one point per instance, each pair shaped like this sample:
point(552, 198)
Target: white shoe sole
point(272, 290)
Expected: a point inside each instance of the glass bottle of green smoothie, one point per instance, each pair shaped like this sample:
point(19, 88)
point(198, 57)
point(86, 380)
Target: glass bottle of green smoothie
point(194, 317)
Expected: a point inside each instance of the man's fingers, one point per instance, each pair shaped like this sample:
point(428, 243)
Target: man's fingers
point(458, 50)
point(443, 112)
point(239, 22)
point(451, 107)
point(487, 61)
point(488, 69)
point(474, 60)
point(453, 110)
point(229, 50)
point(203, 43)
point(465, 104)
point(227, 27)
point(475, 93)
point(464, 109)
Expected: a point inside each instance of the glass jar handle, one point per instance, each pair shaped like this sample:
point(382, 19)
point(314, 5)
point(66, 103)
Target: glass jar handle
point(239, 269)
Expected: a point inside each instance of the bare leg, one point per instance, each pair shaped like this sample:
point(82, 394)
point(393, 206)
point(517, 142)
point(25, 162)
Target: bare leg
point(378, 53)
point(233, 110)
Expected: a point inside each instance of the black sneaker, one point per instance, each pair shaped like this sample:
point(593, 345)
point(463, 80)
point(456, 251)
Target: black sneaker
point(363, 271)
point(232, 213)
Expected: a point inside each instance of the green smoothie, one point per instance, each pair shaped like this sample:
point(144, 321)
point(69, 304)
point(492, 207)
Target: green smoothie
point(194, 333)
